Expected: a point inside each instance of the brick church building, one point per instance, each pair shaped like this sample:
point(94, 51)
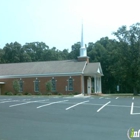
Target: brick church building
point(67, 76)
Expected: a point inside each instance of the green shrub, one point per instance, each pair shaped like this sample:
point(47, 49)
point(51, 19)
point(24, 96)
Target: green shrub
point(59, 93)
point(27, 93)
point(75, 93)
point(48, 86)
point(48, 93)
point(55, 93)
point(19, 93)
point(10, 93)
point(38, 93)
point(5, 93)
point(16, 86)
point(70, 93)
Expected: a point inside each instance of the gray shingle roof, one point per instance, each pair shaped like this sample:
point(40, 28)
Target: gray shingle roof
point(48, 68)
point(93, 68)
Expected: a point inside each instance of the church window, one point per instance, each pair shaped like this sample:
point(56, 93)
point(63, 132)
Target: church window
point(70, 84)
point(36, 85)
point(53, 84)
point(20, 85)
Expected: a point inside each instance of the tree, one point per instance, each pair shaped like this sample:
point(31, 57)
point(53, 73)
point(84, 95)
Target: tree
point(75, 51)
point(49, 86)
point(35, 50)
point(101, 51)
point(1, 56)
point(128, 56)
point(14, 52)
point(16, 86)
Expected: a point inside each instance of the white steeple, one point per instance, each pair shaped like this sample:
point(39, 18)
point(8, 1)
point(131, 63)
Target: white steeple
point(83, 50)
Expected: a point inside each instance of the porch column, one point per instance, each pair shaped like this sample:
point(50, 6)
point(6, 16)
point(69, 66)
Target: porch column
point(100, 83)
point(95, 84)
point(98, 79)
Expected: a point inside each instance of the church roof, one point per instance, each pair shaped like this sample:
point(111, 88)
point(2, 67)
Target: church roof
point(48, 68)
point(93, 68)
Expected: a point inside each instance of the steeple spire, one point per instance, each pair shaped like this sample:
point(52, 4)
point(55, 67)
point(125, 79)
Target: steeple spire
point(82, 41)
point(83, 50)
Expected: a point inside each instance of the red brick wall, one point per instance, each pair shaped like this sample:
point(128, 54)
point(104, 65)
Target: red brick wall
point(28, 85)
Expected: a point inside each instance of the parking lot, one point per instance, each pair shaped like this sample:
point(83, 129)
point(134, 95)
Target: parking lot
point(67, 118)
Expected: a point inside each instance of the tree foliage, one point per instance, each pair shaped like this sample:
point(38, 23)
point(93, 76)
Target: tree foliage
point(16, 86)
point(48, 86)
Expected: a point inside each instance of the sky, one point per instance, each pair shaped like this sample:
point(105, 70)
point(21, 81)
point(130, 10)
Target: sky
point(58, 22)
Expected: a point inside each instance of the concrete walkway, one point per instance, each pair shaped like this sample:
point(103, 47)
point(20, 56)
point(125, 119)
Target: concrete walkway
point(79, 95)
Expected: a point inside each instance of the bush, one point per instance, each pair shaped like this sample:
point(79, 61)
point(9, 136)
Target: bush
point(19, 93)
point(70, 94)
point(16, 86)
point(76, 93)
point(38, 93)
point(9, 93)
point(29, 94)
point(48, 93)
point(5, 93)
point(59, 93)
point(48, 86)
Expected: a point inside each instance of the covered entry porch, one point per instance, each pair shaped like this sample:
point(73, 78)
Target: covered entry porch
point(92, 84)
point(91, 78)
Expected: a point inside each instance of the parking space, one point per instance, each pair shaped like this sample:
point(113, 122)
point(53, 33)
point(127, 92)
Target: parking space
point(67, 117)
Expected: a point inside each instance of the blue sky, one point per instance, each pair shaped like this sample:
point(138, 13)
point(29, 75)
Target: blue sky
point(58, 22)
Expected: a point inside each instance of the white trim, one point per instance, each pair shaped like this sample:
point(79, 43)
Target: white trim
point(2, 83)
point(101, 72)
point(84, 67)
point(41, 75)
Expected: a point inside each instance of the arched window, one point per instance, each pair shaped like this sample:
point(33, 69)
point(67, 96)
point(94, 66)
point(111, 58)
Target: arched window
point(36, 85)
point(20, 85)
point(53, 84)
point(70, 84)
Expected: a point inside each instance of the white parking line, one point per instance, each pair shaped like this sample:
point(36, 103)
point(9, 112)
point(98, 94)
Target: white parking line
point(103, 106)
point(131, 111)
point(76, 105)
point(107, 98)
point(26, 99)
point(68, 97)
point(8, 101)
point(133, 98)
point(52, 103)
point(117, 98)
point(101, 97)
point(4, 99)
point(56, 97)
point(26, 103)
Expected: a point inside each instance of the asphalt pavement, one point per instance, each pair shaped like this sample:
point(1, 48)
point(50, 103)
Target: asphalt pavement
point(68, 118)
